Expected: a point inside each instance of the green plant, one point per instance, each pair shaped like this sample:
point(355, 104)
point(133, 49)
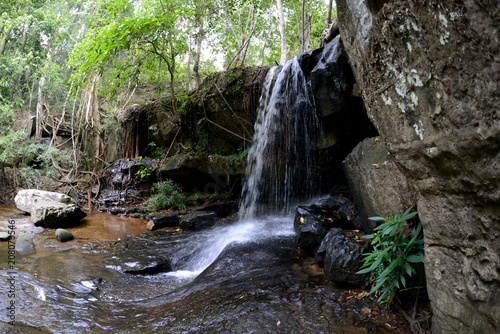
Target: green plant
point(167, 195)
point(394, 255)
point(143, 173)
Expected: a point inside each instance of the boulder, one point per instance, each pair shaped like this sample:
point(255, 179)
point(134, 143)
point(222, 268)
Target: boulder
point(4, 236)
point(157, 222)
point(429, 76)
point(312, 222)
point(341, 257)
point(376, 183)
point(63, 235)
point(49, 209)
point(24, 243)
point(198, 221)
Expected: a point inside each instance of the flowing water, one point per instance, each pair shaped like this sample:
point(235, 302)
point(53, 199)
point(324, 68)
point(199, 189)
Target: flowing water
point(240, 277)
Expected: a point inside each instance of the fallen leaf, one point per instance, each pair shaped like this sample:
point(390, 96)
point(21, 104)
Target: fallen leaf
point(366, 310)
point(278, 323)
point(246, 254)
point(377, 166)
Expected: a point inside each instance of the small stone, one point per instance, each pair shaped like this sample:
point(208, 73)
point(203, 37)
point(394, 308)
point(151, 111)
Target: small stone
point(63, 235)
point(4, 236)
point(24, 243)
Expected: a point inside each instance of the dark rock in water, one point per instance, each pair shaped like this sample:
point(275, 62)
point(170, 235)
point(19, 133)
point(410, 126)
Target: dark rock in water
point(24, 242)
point(198, 221)
point(63, 235)
point(163, 221)
point(4, 236)
point(376, 183)
point(221, 209)
point(342, 257)
point(310, 230)
point(313, 222)
point(49, 209)
point(156, 267)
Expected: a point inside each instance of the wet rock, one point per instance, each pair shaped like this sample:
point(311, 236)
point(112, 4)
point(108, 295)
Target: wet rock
point(310, 231)
point(198, 221)
point(163, 221)
point(63, 235)
point(341, 257)
point(221, 209)
point(156, 267)
point(4, 236)
point(24, 243)
point(376, 183)
point(313, 222)
point(330, 79)
point(49, 209)
point(121, 188)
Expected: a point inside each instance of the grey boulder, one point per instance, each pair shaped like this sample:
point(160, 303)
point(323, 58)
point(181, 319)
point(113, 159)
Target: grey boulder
point(49, 209)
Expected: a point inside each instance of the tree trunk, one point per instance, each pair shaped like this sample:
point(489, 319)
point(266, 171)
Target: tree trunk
point(196, 65)
point(188, 74)
point(282, 33)
point(329, 14)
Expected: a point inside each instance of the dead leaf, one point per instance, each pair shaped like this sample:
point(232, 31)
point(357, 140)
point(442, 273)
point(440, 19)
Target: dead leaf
point(377, 166)
point(246, 254)
point(366, 310)
point(278, 323)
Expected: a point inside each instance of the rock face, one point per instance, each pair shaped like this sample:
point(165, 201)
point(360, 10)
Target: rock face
point(122, 186)
point(430, 72)
point(49, 209)
point(376, 183)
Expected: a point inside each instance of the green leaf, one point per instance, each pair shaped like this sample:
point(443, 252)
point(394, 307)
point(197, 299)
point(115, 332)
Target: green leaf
point(419, 258)
point(377, 218)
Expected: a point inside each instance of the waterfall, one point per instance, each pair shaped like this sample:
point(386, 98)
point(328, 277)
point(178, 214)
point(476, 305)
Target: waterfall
point(280, 164)
point(281, 168)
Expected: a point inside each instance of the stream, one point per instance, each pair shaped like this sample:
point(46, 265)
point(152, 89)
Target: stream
point(250, 280)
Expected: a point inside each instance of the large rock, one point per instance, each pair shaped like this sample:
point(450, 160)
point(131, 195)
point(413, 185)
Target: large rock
point(63, 235)
point(342, 257)
point(313, 222)
point(376, 183)
point(430, 72)
point(24, 243)
point(49, 209)
point(197, 221)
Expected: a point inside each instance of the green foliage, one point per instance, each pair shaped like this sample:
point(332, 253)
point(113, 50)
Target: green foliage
point(394, 256)
point(168, 195)
point(143, 173)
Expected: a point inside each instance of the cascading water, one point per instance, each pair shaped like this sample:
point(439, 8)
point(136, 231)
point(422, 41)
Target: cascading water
point(280, 164)
point(280, 168)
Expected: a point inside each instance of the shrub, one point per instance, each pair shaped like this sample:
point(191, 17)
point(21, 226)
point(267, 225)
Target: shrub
point(394, 256)
point(167, 195)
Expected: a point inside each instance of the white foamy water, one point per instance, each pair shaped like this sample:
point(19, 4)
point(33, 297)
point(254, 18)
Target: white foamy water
point(204, 248)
